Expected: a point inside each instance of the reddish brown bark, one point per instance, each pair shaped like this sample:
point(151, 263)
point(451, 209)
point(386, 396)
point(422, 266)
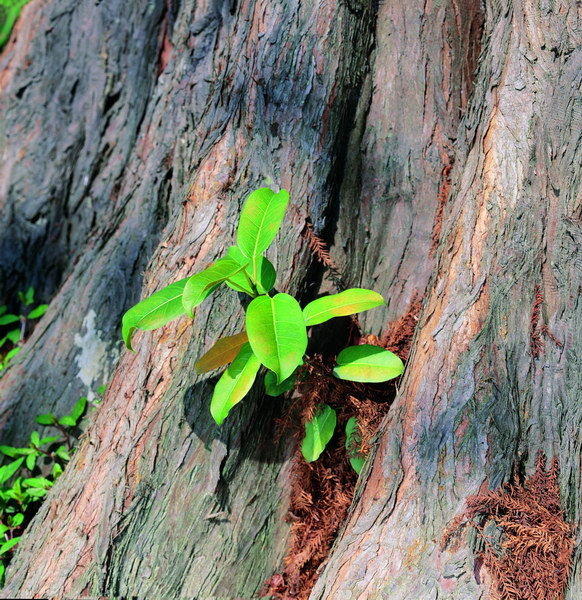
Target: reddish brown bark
point(374, 119)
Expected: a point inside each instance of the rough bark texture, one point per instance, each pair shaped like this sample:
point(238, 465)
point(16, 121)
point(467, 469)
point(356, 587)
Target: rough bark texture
point(159, 501)
point(495, 369)
point(130, 134)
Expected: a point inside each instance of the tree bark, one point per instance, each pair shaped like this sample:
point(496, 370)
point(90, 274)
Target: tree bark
point(494, 374)
point(130, 136)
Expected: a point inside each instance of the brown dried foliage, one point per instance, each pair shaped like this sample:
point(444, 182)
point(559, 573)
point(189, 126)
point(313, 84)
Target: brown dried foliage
point(535, 338)
point(532, 559)
point(320, 250)
point(322, 491)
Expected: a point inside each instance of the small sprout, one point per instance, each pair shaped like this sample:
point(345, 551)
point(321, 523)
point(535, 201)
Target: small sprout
point(275, 333)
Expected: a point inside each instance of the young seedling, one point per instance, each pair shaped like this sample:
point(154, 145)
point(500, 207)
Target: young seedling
point(25, 481)
point(275, 333)
point(11, 341)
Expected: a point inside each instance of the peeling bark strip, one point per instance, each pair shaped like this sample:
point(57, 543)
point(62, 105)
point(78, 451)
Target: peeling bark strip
point(476, 404)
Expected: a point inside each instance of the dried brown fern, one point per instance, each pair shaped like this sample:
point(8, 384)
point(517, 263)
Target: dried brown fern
point(533, 559)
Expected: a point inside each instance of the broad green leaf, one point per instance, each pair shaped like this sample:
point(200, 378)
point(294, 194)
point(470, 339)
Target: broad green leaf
point(57, 470)
point(63, 453)
point(35, 492)
point(368, 364)
point(266, 275)
point(46, 419)
point(222, 353)
point(10, 451)
point(78, 409)
point(264, 272)
point(31, 460)
point(155, 311)
point(260, 220)
point(38, 482)
point(7, 319)
point(241, 281)
point(318, 432)
point(37, 312)
point(7, 471)
point(49, 440)
point(12, 353)
point(16, 520)
point(35, 439)
point(272, 388)
point(353, 440)
point(14, 336)
point(3, 529)
point(67, 421)
point(338, 305)
point(9, 545)
point(277, 333)
point(201, 285)
point(234, 383)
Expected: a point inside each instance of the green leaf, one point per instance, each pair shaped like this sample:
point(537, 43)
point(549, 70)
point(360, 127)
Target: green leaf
point(368, 364)
point(7, 319)
point(16, 520)
point(14, 336)
point(49, 440)
point(318, 432)
point(7, 471)
point(79, 408)
point(31, 461)
point(10, 451)
point(155, 311)
point(241, 281)
point(35, 439)
point(37, 482)
point(277, 333)
point(101, 390)
point(201, 285)
point(3, 529)
point(260, 220)
point(67, 421)
point(27, 297)
point(46, 419)
point(353, 440)
point(3, 309)
point(57, 470)
point(272, 388)
point(222, 353)
point(37, 312)
point(35, 492)
point(6, 546)
point(345, 303)
point(266, 274)
point(234, 384)
point(62, 453)
point(12, 353)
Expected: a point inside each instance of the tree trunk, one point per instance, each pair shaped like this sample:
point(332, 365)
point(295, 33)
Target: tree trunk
point(130, 136)
point(493, 378)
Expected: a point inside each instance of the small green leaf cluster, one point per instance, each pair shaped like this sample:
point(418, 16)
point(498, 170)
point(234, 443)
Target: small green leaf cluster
point(9, 11)
point(275, 335)
point(25, 480)
point(13, 337)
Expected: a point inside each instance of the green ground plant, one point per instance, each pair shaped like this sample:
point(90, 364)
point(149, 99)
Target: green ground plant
point(13, 328)
point(25, 481)
point(9, 12)
point(275, 335)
